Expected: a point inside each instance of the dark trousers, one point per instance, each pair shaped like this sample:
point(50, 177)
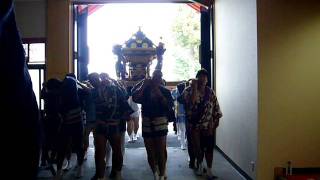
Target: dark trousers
point(70, 133)
point(190, 146)
point(51, 127)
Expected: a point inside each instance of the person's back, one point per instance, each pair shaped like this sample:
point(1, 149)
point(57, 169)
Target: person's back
point(180, 88)
point(18, 102)
point(69, 94)
point(70, 105)
point(50, 95)
point(71, 129)
point(156, 103)
point(151, 106)
point(180, 114)
point(89, 106)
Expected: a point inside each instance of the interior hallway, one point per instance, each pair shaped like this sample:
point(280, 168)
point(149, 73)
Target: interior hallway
point(136, 166)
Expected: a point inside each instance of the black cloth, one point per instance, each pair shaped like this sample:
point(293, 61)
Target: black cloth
point(108, 130)
point(73, 131)
point(20, 110)
point(190, 145)
point(51, 125)
point(69, 95)
point(181, 87)
point(51, 119)
point(155, 134)
point(152, 107)
point(50, 95)
point(207, 143)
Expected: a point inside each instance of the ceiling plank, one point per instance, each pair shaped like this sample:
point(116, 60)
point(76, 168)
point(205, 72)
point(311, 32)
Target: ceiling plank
point(203, 2)
point(129, 1)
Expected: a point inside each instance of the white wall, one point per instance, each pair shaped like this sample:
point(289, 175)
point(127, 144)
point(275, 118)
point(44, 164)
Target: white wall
point(236, 83)
point(31, 18)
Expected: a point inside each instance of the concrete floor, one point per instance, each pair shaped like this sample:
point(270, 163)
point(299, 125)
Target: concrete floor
point(136, 166)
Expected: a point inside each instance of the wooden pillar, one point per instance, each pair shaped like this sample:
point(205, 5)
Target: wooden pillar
point(60, 38)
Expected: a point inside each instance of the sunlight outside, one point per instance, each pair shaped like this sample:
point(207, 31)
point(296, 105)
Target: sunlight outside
point(115, 23)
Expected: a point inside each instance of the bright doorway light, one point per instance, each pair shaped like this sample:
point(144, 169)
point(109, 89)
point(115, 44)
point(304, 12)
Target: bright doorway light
point(173, 24)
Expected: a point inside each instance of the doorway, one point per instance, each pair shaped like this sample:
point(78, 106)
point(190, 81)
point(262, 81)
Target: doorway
point(184, 27)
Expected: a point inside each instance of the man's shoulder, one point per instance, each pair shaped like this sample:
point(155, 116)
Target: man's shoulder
point(112, 87)
point(210, 91)
point(188, 89)
point(165, 90)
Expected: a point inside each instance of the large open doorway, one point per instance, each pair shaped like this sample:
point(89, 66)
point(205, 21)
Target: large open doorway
point(185, 28)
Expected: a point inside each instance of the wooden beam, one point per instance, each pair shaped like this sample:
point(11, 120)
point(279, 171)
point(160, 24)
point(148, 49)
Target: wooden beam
point(206, 3)
point(128, 1)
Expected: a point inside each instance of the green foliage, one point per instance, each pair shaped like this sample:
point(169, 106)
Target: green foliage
point(186, 30)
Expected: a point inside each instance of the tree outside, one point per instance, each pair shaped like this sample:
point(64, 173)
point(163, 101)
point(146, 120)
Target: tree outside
point(186, 31)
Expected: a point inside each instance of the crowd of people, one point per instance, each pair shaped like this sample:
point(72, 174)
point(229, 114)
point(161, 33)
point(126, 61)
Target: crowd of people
point(102, 106)
point(105, 107)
